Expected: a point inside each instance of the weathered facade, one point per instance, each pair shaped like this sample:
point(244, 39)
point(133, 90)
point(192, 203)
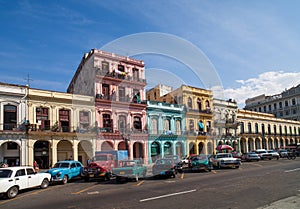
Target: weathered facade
point(265, 131)
point(118, 85)
point(166, 128)
point(199, 118)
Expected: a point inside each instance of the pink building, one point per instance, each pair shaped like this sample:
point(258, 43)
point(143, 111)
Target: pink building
point(118, 85)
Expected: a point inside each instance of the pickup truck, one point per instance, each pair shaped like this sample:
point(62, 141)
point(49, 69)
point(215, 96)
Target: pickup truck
point(221, 160)
point(130, 169)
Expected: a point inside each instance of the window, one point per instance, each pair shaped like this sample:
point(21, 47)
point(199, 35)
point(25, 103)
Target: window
point(256, 128)
point(107, 122)
point(280, 104)
point(178, 127)
point(190, 104)
point(263, 128)
point(275, 106)
point(207, 104)
point(10, 117)
point(20, 172)
point(30, 171)
point(135, 74)
point(199, 104)
point(154, 126)
point(293, 102)
point(64, 119)
point(191, 126)
point(122, 94)
point(42, 118)
point(259, 109)
point(286, 103)
point(270, 108)
point(122, 123)
point(137, 124)
point(249, 128)
point(105, 67)
point(265, 109)
point(274, 128)
point(167, 125)
point(121, 68)
point(84, 119)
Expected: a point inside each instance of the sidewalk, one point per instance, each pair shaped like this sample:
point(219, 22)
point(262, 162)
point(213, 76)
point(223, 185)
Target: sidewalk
point(287, 203)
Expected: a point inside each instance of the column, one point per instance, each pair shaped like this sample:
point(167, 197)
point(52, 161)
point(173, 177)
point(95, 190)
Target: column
point(75, 149)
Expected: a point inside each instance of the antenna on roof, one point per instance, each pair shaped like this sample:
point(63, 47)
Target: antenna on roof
point(28, 79)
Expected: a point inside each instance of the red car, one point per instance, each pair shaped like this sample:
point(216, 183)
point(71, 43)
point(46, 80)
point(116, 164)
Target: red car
point(95, 171)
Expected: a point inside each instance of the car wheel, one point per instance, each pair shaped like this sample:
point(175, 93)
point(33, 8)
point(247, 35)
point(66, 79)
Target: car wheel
point(237, 166)
point(107, 177)
point(65, 179)
point(45, 184)
point(12, 192)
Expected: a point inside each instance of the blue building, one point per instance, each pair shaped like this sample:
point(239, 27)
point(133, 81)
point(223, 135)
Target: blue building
point(166, 130)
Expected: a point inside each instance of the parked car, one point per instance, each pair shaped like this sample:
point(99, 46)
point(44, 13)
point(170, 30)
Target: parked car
point(175, 158)
point(13, 179)
point(95, 171)
point(274, 154)
point(63, 171)
point(237, 155)
point(130, 169)
point(263, 154)
point(164, 167)
point(282, 153)
point(201, 162)
point(250, 156)
point(221, 160)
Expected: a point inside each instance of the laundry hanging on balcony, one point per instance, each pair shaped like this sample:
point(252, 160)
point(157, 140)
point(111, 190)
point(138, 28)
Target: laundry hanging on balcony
point(201, 126)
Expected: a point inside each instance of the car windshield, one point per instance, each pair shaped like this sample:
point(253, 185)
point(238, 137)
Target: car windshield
point(62, 165)
point(5, 173)
point(127, 164)
point(100, 158)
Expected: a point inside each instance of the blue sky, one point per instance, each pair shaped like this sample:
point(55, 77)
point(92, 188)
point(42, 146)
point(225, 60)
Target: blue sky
point(253, 46)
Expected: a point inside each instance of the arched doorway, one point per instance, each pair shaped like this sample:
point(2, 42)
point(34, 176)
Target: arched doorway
point(122, 146)
point(270, 143)
point(200, 148)
point(250, 144)
point(138, 152)
point(10, 153)
point(192, 148)
point(243, 146)
point(168, 148)
point(107, 146)
point(41, 154)
point(257, 143)
point(64, 150)
point(179, 149)
point(85, 151)
point(155, 151)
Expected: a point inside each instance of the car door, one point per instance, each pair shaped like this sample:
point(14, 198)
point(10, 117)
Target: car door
point(21, 179)
point(33, 178)
point(74, 170)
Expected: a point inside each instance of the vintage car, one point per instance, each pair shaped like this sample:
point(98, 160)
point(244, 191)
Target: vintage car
point(95, 171)
point(13, 179)
point(274, 154)
point(282, 153)
point(63, 171)
point(250, 156)
point(201, 162)
point(222, 160)
point(129, 169)
point(263, 154)
point(164, 167)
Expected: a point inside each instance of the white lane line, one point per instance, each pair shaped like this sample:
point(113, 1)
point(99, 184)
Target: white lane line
point(167, 195)
point(296, 169)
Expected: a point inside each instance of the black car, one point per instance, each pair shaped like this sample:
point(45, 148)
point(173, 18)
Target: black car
point(164, 167)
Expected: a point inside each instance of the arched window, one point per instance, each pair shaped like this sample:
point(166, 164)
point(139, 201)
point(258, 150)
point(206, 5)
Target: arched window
point(167, 125)
point(207, 104)
point(274, 128)
point(107, 122)
point(199, 104)
point(256, 128)
point(178, 127)
point(249, 128)
point(191, 126)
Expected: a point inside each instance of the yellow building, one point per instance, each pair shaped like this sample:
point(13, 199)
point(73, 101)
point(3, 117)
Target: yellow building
point(199, 104)
point(61, 127)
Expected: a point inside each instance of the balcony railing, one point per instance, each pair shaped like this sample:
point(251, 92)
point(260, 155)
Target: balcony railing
point(122, 76)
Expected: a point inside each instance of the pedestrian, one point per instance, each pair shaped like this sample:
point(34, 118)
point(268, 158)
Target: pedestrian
point(35, 166)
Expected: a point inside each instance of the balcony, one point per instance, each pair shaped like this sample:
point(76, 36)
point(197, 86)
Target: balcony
point(207, 111)
point(119, 76)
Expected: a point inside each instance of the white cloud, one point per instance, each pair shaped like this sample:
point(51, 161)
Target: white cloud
point(268, 83)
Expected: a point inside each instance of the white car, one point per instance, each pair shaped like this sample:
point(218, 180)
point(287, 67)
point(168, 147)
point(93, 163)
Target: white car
point(13, 179)
point(222, 160)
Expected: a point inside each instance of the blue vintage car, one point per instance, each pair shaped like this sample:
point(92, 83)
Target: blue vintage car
point(63, 171)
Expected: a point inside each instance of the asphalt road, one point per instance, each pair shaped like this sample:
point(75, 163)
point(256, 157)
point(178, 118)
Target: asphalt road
point(253, 185)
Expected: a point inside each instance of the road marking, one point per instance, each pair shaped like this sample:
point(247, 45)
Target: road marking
point(213, 171)
point(169, 181)
point(296, 169)
point(167, 195)
point(140, 183)
point(182, 175)
point(95, 192)
point(85, 189)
